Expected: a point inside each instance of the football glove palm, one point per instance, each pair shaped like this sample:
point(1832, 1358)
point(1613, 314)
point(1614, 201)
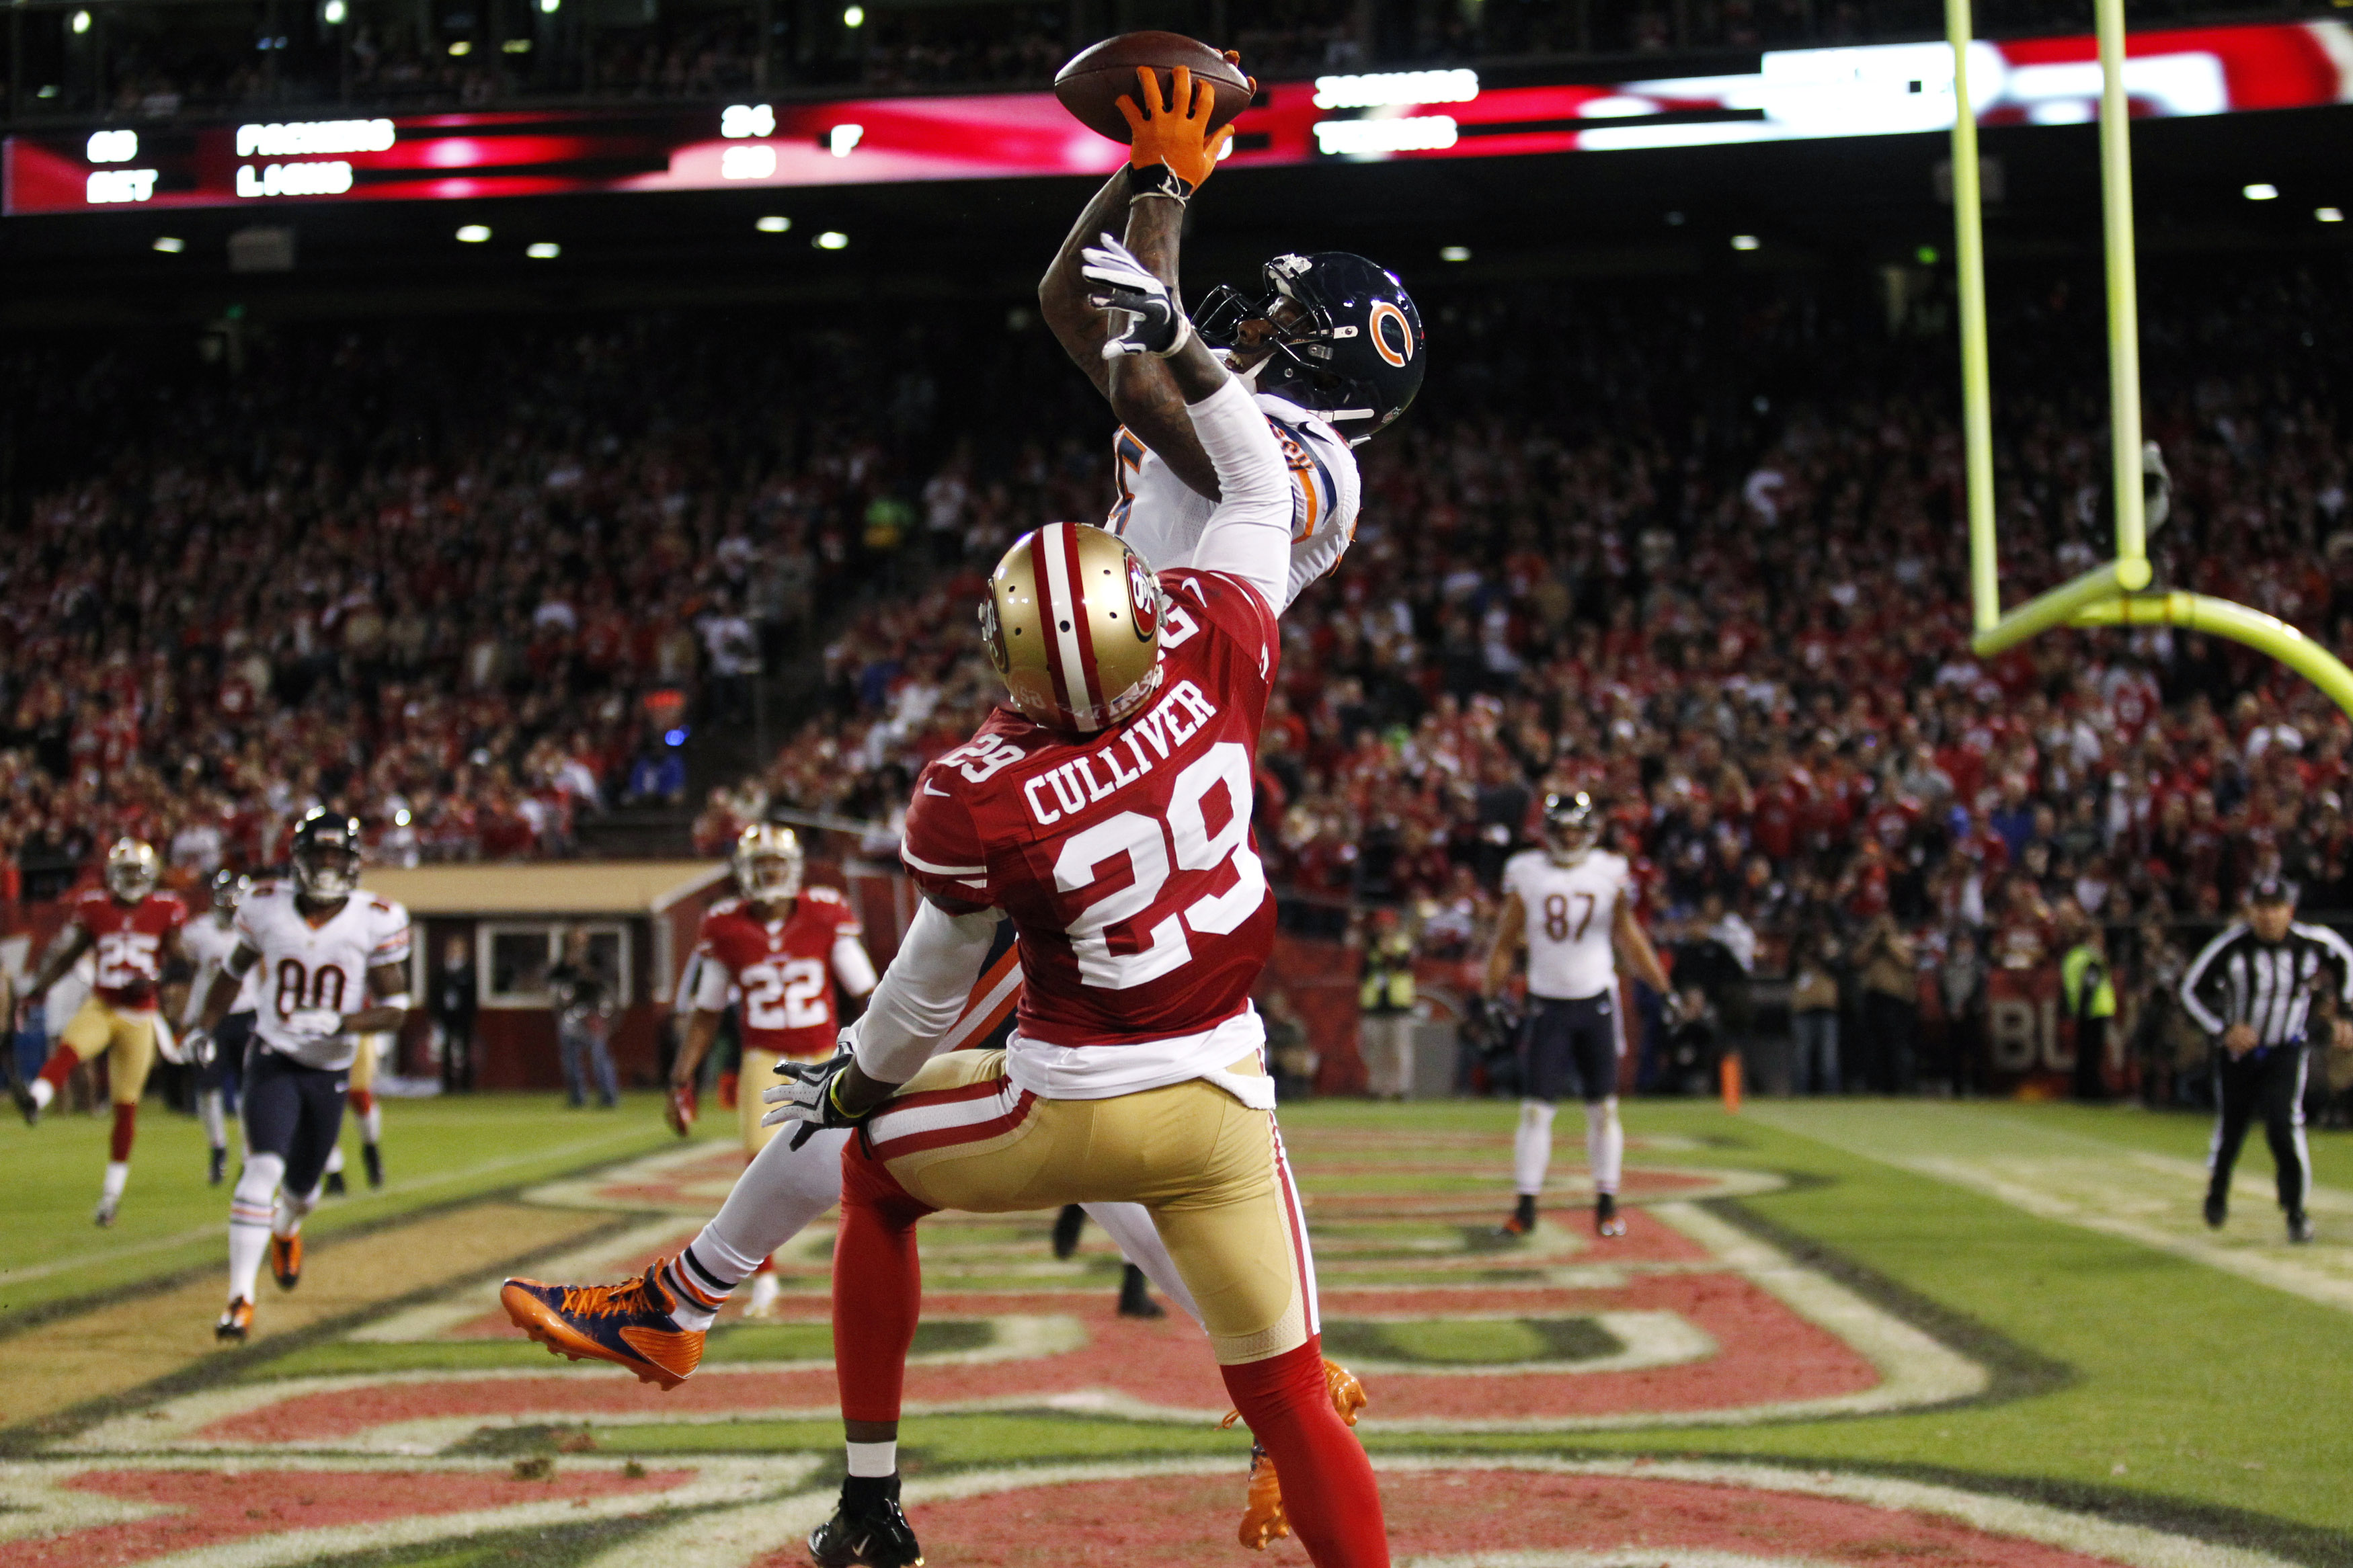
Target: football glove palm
point(808, 1096)
point(1153, 325)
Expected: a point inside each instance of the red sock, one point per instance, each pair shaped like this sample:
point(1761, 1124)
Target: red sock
point(126, 1127)
point(877, 1288)
point(1328, 1483)
point(59, 1066)
point(360, 1100)
point(767, 1266)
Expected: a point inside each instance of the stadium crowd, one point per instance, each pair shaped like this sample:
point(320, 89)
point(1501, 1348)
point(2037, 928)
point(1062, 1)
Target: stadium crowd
point(1696, 549)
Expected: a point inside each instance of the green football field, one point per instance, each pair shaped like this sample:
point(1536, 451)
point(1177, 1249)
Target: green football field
point(1998, 1319)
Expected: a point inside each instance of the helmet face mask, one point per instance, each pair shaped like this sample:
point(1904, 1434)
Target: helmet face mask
point(1341, 337)
point(132, 869)
point(768, 863)
point(1073, 624)
point(326, 855)
point(1572, 826)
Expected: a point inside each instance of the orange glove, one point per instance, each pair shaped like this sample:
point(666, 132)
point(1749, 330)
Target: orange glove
point(1176, 138)
point(727, 1091)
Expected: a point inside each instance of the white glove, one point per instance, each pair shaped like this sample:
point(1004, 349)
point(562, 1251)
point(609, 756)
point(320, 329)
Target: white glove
point(317, 1023)
point(197, 1045)
point(1154, 323)
point(807, 1097)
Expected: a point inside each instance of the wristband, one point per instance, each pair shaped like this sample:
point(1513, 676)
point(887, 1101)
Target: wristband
point(833, 1099)
point(1184, 335)
point(1157, 180)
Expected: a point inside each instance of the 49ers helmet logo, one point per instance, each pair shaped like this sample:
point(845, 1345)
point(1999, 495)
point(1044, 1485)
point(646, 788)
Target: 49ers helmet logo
point(1392, 333)
point(1143, 599)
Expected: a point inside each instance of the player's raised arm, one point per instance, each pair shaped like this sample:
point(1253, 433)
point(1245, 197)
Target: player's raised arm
point(1077, 325)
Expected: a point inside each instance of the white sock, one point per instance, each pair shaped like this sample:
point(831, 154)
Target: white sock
point(212, 1111)
point(1605, 1144)
point(291, 1211)
point(42, 1093)
point(334, 1160)
point(118, 1176)
point(371, 1122)
point(1130, 1227)
point(1532, 1147)
point(250, 1210)
point(779, 1193)
point(873, 1459)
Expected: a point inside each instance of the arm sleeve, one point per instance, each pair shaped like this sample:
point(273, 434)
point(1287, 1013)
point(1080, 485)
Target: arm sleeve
point(923, 993)
point(2194, 980)
point(1249, 534)
point(712, 983)
point(2339, 950)
point(390, 936)
point(853, 967)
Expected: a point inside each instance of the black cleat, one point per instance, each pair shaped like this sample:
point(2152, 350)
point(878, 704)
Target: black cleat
point(374, 1161)
point(1135, 1295)
point(1521, 1219)
point(235, 1323)
point(335, 1186)
point(1067, 1225)
point(1605, 1215)
point(217, 1168)
point(26, 1106)
point(2218, 1209)
point(2299, 1227)
point(867, 1530)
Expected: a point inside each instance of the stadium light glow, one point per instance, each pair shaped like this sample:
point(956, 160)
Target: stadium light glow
point(854, 17)
point(1744, 242)
point(1453, 253)
point(1370, 138)
point(334, 13)
point(549, 7)
point(2261, 193)
point(80, 22)
point(462, 49)
point(546, 250)
point(842, 138)
point(738, 121)
point(473, 233)
point(674, 737)
point(2329, 215)
point(1389, 90)
point(169, 243)
point(773, 223)
point(832, 239)
point(112, 146)
point(516, 45)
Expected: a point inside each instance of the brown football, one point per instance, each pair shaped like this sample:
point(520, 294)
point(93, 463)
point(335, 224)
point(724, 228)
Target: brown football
point(1091, 84)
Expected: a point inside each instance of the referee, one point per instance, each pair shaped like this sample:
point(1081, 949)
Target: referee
point(2255, 988)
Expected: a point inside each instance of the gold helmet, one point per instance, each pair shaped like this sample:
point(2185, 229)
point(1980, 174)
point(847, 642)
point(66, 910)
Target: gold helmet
point(1073, 624)
point(768, 862)
point(132, 869)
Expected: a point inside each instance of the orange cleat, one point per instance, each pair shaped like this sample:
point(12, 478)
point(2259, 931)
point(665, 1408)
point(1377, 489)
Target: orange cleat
point(1263, 1519)
point(286, 1259)
point(235, 1323)
point(629, 1325)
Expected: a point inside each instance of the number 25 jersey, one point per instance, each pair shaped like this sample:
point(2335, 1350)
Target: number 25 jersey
point(128, 943)
point(1123, 857)
point(304, 968)
point(783, 971)
point(1571, 913)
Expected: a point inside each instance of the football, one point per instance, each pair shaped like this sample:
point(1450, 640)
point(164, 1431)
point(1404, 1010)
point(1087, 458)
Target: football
point(1091, 85)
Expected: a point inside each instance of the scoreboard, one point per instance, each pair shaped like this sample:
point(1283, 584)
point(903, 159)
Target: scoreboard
point(1789, 95)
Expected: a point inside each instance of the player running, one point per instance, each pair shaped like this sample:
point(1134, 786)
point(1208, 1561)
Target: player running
point(780, 949)
point(1571, 904)
point(319, 944)
point(208, 942)
point(135, 931)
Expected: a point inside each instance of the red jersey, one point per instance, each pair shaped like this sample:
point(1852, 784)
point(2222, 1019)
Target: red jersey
point(129, 942)
point(1125, 857)
point(784, 969)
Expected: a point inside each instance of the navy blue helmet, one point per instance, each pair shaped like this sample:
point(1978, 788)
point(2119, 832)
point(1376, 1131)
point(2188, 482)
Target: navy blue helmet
point(1348, 342)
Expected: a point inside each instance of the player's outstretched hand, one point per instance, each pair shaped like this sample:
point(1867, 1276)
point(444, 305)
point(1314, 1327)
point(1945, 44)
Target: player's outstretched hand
point(1174, 136)
point(1118, 281)
point(196, 1046)
point(807, 1097)
point(680, 1108)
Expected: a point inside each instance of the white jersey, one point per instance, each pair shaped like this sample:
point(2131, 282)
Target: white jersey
point(1571, 912)
point(209, 943)
point(1162, 518)
point(307, 971)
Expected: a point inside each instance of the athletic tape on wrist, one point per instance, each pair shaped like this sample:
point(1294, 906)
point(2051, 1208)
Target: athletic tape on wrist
point(1157, 180)
point(1184, 334)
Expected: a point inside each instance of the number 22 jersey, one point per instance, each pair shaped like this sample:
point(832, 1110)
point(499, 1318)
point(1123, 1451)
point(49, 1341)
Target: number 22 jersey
point(783, 971)
point(1123, 857)
point(305, 968)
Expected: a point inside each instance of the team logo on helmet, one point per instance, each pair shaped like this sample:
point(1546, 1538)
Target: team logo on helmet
point(992, 634)
point(1392, 333)
point(1143, 598)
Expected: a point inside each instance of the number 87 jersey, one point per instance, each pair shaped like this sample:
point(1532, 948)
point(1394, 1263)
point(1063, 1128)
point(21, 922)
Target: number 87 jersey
point(1123, 857)
point(1572, 915)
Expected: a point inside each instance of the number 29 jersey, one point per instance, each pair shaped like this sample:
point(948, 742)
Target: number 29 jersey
point(1571, 912)
point(304, 968)
point(1123, 857)
point(783, 971)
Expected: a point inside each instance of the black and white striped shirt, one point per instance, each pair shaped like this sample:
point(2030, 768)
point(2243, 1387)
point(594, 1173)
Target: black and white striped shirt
point(2239, 979)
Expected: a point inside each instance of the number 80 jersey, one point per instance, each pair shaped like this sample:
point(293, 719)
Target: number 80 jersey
point(1572, 912)
point(1123, 857)
point(783, 971)
point(306, 968)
